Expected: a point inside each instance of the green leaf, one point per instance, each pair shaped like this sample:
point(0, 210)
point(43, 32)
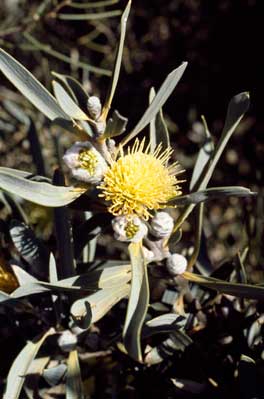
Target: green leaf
point(137, 304)
point(163, 94)
point(237, 107)
point(67, 103)
point(92, 308)
point(74, 385)
point(18, 371)
point(45, 194)
point(30, 87)
point(158, 130)
point(240, 290)
point(212, 194)
point(118, 60)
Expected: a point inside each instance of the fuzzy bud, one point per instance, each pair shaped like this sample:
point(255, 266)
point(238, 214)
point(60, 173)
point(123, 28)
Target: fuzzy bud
point(85, 162)
point(149, 256)
point(94, 107)
point(176, 264)
point(129, 230)
point(162, 225)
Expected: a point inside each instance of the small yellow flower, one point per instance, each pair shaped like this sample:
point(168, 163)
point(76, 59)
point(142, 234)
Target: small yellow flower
point(140, 181)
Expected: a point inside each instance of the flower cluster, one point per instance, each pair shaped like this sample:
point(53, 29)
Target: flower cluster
point(135, 186)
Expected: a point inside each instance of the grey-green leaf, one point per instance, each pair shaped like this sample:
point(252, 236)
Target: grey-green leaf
point(19, 368)
point(137, 304)
point(38, 192)
point(158, 130)
point(118, 60)
point(30, 87)
point(163, 94)
point(212, 194)
point(67, 103)
point(240, 290)
point(74, 385)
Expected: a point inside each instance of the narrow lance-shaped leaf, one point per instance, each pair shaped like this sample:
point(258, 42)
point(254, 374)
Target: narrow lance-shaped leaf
point(30, 87)
point(212, 194)
point(238, 105)
point(90, 16)
point(19, 368)
point(163, 94)
point(74, 385)
point(118, 60)
point(92, 308)
point(158, 130)
point(38, 192)
point(67, 103)
point(137, 304)
point(240, 290)
point(75, 89)
point(204, 155)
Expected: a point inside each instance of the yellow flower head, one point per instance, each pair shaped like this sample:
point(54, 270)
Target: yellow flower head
point(140, 181)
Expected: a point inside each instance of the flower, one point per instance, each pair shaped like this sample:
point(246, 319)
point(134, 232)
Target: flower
point(176, 264)
point(140, 181)
point(85, 162)
point(133, 229)
point(162, 225)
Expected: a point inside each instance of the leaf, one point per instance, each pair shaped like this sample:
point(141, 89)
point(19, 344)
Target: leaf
point(30, 248)
point(19, 368)
point(177, 341)
point(67, 103)
point(74, 385)
point(118, 60)
point(92, 308)
point(63, 231)
point(237, 107)
point(75, 89)
point(137, 304)
point(30, 87)
point(163, 94)
point(35, 148)
point(116, 125)
point(158, 130)
point(94, 4)
point(212, 194)
point(240, 290)
point(40, 193)
point(89, 17)
point(88, 231)
point(165, 323)
point(204, 155)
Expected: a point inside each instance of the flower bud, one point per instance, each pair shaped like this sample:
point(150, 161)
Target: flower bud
point(149, 256)
point(176, 264)
point(67, 341)
point(129, 230)
point(94, 107)
point(162, 225)
point(85, 162)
